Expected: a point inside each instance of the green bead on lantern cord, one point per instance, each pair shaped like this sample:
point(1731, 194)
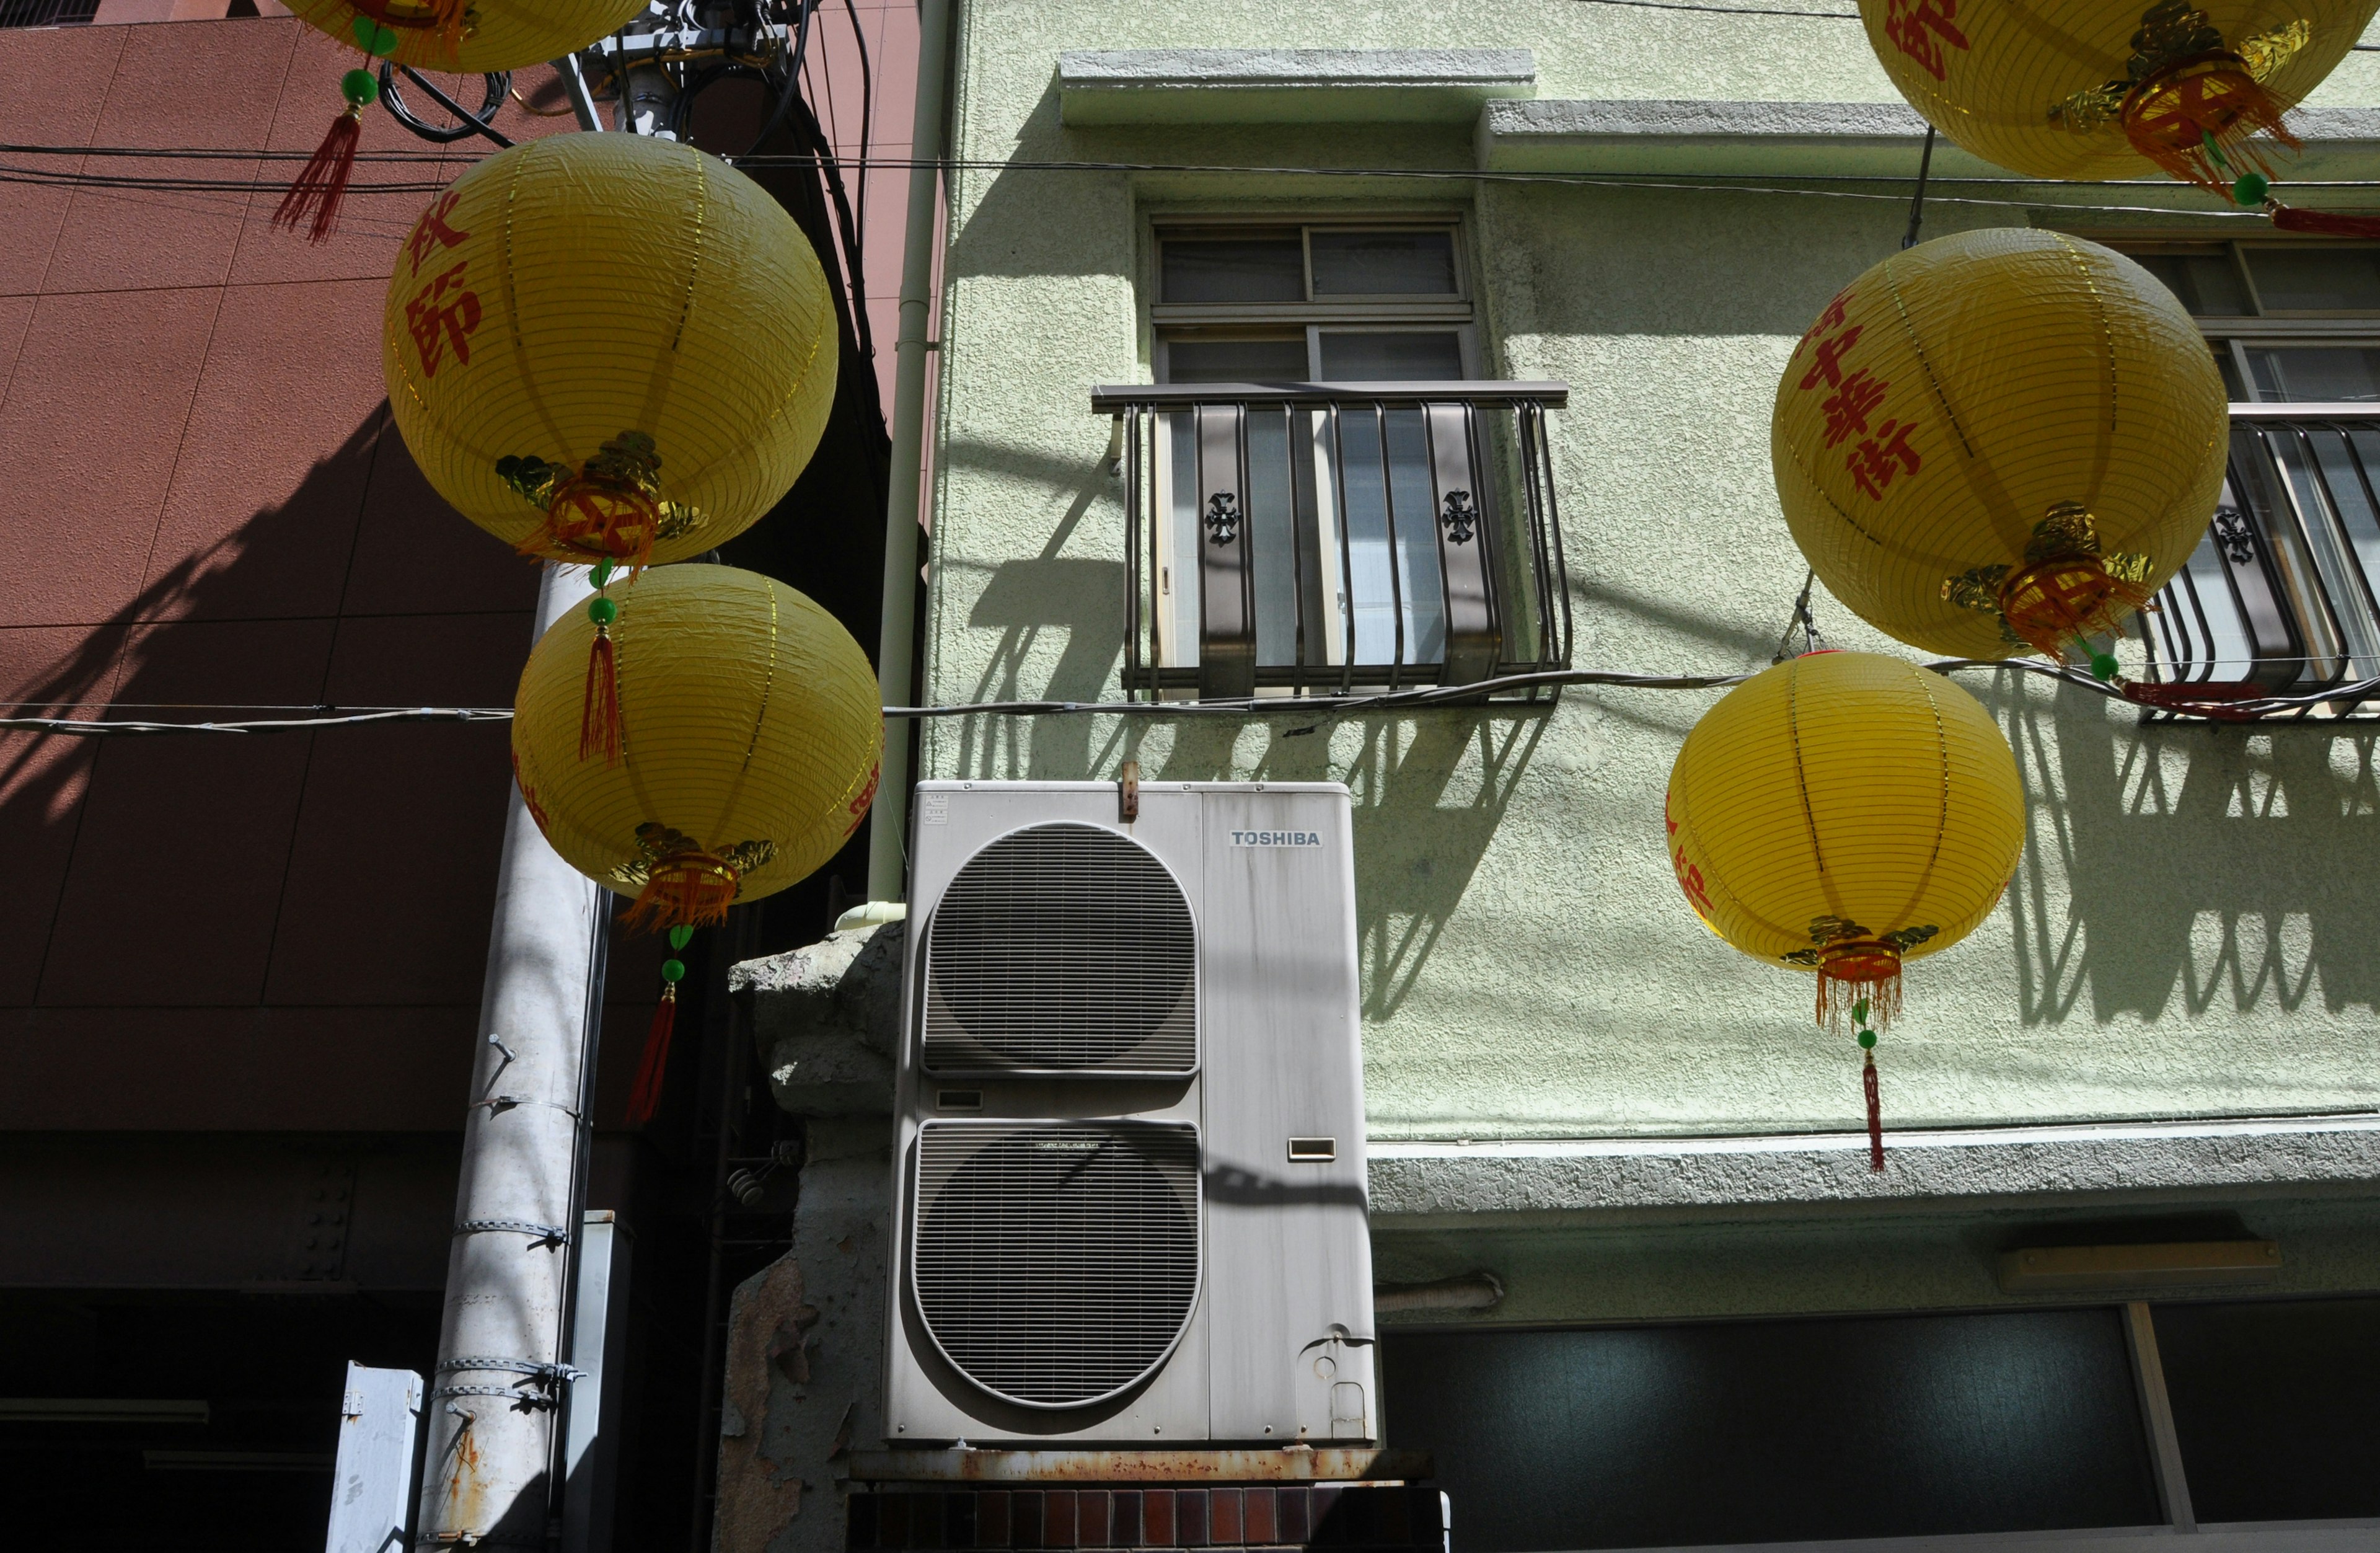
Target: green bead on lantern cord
point(673, 970)
point(360, 87)
point(2252, 189)
point(603, 611)
point(1867, 1040)
point(2103, 666)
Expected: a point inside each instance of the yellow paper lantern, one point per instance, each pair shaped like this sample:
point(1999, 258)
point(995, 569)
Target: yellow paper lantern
point(2108, 88)
point(2002, 440)
point(749, 739)
point(1842, 813)
point(609, 345)
point(474, 36)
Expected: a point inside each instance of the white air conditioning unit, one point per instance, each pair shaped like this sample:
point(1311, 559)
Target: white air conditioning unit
point(1129, 1194)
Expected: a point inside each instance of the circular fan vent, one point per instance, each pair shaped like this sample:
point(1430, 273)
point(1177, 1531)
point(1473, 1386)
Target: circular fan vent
point(1055, 1265)
point(1064, 948)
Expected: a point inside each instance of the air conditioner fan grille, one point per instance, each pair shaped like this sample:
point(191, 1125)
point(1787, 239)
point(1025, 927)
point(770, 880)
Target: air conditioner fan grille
point(1056, 1265)
point(1062, 947)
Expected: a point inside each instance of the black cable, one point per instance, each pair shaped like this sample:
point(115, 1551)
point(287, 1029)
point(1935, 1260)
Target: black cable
point(866, 114)
point(468, 123)
point(803, 11)
point(847, 230)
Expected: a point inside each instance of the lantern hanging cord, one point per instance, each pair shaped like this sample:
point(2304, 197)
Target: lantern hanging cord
point(1803, 621)
point(1917, 200)
point(1333, 707)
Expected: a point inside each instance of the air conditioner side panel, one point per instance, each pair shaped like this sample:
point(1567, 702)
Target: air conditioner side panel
point(1289, 1250)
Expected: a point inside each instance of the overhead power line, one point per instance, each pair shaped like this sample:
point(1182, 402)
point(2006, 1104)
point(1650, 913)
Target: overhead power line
point(1420, 699)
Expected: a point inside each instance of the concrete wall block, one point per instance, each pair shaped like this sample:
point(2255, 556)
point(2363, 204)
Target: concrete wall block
point(806, 1354)
point(827, 1017)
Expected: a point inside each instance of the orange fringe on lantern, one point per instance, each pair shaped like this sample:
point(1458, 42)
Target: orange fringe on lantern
point(599, 712)
point(2195, 115)
point(689, 889)
point(595, 518)
point(646, 1097)
point(1857, 969)
point(2061, 601)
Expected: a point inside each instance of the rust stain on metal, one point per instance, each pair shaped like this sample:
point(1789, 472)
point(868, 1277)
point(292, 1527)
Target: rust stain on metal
point(1291, 1464)
point(465, 1487)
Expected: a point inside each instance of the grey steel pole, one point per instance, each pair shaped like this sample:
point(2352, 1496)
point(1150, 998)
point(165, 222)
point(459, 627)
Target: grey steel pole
point(496, 1398)
point(895, 645)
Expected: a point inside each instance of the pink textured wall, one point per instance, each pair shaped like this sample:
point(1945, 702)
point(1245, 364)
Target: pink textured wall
point(206, 506)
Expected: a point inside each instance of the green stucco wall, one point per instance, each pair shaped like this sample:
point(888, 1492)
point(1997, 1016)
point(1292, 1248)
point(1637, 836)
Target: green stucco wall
point(2195, 929)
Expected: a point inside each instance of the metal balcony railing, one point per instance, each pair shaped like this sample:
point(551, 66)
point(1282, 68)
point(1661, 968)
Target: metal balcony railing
point(47, 13)
point(2280, 598)
point(1332, 538)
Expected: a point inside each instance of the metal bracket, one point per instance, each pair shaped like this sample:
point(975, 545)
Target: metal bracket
point(545, 1234)
point(518, 1367)
point(1128, 793)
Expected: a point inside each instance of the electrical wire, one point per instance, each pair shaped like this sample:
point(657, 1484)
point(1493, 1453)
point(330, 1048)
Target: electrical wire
point(1336, 706)
point(1721, 10)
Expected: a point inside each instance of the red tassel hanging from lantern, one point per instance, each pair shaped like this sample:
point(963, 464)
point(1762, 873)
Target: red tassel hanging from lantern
point(314, 198)
point(1867, 1083)
point(653, 1069)
point(322, 187)
point(599, 709)
point(1875, 1117)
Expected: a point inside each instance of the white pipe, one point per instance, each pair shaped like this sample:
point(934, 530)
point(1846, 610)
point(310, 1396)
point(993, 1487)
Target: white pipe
point(494, 1399)
point(896, 640)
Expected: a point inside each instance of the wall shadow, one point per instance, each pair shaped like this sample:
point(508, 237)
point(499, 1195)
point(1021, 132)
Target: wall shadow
point(2208, 867)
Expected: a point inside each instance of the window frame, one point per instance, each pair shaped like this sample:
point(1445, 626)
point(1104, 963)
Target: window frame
point(2320, 641)
point(1169, 322)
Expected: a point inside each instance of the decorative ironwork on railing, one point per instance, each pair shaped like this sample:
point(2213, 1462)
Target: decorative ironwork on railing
point(2278, 601)
point(1328, 538)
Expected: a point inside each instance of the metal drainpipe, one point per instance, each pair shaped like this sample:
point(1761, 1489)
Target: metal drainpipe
point(896, 644)
point(495, 1402)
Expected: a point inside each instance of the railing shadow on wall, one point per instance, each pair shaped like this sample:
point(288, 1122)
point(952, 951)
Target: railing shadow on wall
point(1429, 788)
point(2208, 866)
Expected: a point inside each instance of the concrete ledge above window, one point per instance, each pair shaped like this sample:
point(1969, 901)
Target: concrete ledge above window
point(1278, 86)
point(1416, 1184)
point(1782, 138)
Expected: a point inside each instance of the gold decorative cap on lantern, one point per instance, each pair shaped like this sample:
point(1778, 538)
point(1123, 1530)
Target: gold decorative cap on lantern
point(609, 345)
point(1999, 442)
point(749, 736)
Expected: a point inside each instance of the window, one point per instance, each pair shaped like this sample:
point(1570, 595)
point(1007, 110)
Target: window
point(1776, 1431)
point(2280, 593)
point(1357, 567)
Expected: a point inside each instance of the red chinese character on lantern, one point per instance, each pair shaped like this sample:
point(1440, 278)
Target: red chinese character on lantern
point(1830, 319)
point(444, 314)
point(1920, 30)
point(1878, 459)
point(1689, 879)
point(1848, 408)
point(432, 232)
point(1829, 364)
